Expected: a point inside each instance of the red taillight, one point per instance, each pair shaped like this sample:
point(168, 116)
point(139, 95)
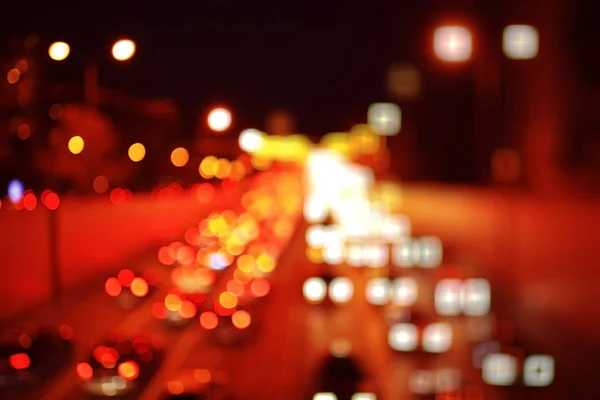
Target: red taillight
point(125, 277)
point(19, 361)
point(65, 332)
point(113, 287)
point(85, 371)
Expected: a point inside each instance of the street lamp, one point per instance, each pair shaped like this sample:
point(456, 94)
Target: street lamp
point(219, 119)
point(59, 51)
point(123, 49)
point(453, 43)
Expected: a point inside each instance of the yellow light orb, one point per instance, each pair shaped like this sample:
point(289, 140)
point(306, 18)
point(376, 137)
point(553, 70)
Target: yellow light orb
point(137, 152)
point(180, 157)
point(219, 119)
point(123, 50)
point(76, 144)
point(59, 51)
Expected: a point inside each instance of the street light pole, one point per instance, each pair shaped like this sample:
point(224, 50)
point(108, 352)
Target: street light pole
point(487, 123)
point(91, 84)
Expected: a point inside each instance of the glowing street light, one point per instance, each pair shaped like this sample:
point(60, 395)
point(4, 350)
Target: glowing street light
point(453, 43)
point(219, 119)
point(251, 140)
point(123, 49)
point(520, 42)
point(58, 51)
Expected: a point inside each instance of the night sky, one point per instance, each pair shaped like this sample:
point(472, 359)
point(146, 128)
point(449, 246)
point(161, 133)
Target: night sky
point(326, 61)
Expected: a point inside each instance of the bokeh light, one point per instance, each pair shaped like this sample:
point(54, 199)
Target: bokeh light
point(452, 43)
point(76, 144)
point(15, 190)
point(219, 119)
point(59, 51)
point(123, 49)
point(136, 152)
point(13, 76)
point(100, 184)
point(180, 157)
point(251, 140)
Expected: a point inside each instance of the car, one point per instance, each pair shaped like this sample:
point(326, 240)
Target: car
point(197, 384)
point(121, 366)
point(433, 383)
point(420, 334)
point(341, 376)
point(129, 289)
point(193, 279)
point(178, 309)
point(28, 356)
point(228, 323)
point(249, 290)
point(328, 289)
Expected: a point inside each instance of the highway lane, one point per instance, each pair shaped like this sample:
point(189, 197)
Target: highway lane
point(280, 361)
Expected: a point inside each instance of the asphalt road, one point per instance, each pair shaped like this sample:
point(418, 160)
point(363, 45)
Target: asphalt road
point(279, 361)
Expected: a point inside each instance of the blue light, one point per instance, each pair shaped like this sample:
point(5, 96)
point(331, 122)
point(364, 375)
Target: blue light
point(15, 190)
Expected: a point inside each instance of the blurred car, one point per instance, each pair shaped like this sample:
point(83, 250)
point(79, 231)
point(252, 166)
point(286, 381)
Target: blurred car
point(228, 326)
point(197, 384)
point(433, 383)
point(328, 289)
point(193, 279)
point(178, 309)
point(250, 290)
point(121, 366)
point(27, 358)
point(130, 289)
point(341, 377)
point(420, 334)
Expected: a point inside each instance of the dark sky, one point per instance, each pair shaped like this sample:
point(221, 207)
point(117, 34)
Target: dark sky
point(324, 60)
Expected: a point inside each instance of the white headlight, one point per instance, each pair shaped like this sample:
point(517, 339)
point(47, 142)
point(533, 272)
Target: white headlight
point(324, 396)
point(402, 253)
point(364, 396)
point(314, 290)
point(448, 297)
point(403, 337)
point(378, 291)
point(499, 369)
point(405, 292)
point(315, 236)
point(476, 297)
point(377, 255)
point(341, 290)
point(437, 337)
point(333, 254)
point(430, 252)
point(354, 255)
